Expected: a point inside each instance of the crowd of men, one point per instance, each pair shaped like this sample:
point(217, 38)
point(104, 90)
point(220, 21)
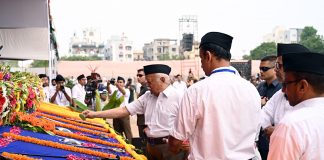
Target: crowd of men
point(222, 116)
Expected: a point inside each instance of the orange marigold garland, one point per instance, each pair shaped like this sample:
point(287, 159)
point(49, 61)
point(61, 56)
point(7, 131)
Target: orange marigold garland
point(83, 129)
point(58, 145)
point(73, 122)
point(85, 138)
point(16, 156)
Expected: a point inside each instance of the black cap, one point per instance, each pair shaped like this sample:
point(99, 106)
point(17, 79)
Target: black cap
point(157, 68)
point(290, 48)
point(217, 38)
point(59, 78)
point(80, 77)
point(308, 62)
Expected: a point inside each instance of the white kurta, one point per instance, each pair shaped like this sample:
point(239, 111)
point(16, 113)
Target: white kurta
point(78, 92)
point(160, 112)
point(221, 117)
point(300, 134)
point(275, 109)
point(60, 98)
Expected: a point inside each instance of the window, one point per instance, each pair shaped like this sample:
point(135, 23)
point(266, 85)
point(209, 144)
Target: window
point(128, 48)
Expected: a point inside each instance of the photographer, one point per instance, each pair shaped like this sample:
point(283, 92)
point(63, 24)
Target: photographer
point(60, 94)
point(94, 82)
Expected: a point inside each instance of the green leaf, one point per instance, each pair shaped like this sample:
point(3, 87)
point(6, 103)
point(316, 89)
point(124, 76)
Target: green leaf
point(76, 109)
point(98, 101)
point(82, 117)
point(111, 102)
point(80, 105)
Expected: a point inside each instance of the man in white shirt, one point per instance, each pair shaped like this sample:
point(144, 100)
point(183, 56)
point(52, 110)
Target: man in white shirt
point(220, 115)
point(45, 85)
point(60, 95)
point(78, 90)
point(179, 84)
point(278, 105)
point(160, 107)
point(122, 124)
point(299, 135)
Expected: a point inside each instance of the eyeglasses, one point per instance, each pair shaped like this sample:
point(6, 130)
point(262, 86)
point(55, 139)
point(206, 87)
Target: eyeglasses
point(284, 84)
point(264, 69)
point(278, 66)
point(139, 75)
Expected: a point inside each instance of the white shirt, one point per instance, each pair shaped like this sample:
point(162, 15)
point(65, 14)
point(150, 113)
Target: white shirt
point(300, 134)
point(126, 96)
point(159, 112)
point(78, 92)
point(60, 97)
point(221, 117)
point(275, 109)
point(181, 86)
point(46, 91)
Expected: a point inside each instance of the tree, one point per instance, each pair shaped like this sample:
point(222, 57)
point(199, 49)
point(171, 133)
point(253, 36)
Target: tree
point(311, 40)
point(265, 49)
point(39, 63)
point(81, 58)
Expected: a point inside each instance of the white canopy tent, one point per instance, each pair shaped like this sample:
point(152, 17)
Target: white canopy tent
point(24, 30)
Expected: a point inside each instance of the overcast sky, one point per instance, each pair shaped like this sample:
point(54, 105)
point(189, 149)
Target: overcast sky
point(144, 20)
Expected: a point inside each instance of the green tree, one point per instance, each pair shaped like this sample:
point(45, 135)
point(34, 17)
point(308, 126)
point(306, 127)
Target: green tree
point(311, 40)
point(39, 63)
point(265, 49)
point(81, 58)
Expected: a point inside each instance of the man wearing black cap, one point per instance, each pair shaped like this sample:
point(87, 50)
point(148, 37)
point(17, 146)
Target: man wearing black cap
point(299, 135)
point(219, 115)
point(278, 105)
point(78, 90)
point(60, 95)
point(160, 107)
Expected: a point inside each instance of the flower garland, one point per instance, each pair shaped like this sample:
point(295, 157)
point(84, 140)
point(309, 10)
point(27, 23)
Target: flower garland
point(19, 118)
point(19, 91)
point(83, 129)
point(67, 113)
point(85, 138)
point(73, 122)
point(16, 156)
point(58, 145)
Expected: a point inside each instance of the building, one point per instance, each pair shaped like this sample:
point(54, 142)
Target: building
point(119, 48)
point(87, 44)
point(138, 55)
point(161, 49)
point(283, 35)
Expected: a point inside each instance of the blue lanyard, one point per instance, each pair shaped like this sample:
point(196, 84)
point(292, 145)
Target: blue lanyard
point(222, 70)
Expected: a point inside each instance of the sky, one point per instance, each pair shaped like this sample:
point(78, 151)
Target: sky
point(142, 21)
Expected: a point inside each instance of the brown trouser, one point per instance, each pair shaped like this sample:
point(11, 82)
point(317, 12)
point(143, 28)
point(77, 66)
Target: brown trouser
point(161, 152)
point(122, 125)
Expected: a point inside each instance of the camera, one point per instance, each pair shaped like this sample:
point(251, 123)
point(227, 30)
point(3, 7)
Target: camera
point(62, 88)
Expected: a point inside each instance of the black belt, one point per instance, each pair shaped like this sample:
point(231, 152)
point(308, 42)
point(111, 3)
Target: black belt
point(155, 141)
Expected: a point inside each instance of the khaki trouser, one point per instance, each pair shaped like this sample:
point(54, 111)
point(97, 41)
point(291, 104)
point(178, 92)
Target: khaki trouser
point(122, 125)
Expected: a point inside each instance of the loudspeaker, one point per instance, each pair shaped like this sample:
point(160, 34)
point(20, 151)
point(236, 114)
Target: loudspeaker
point(187, 40)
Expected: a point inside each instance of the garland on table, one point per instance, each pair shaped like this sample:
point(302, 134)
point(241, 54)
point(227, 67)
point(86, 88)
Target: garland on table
point(73, 122)
point(16, 156)
point(66, 113)
point(58, 145)
point(85, 138)
point(83, 129)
